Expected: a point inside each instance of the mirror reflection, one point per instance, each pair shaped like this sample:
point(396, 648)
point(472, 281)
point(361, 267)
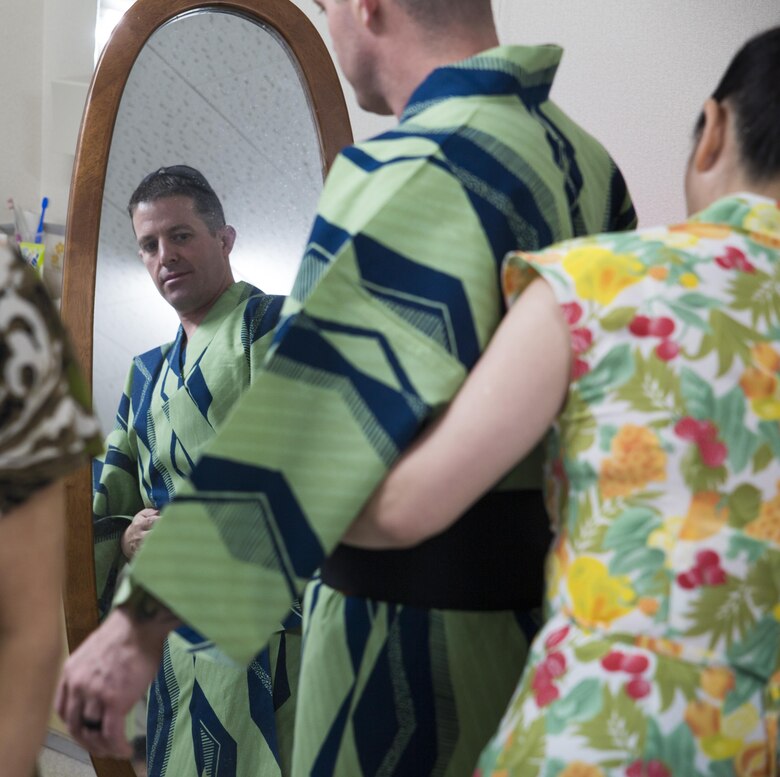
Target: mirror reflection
point(223, 93)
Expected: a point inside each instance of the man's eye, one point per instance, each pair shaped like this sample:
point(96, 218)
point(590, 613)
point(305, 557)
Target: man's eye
point(181, 237)
point(149, 248)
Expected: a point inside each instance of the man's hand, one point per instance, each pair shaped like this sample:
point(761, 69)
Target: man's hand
point(107, 675)
point(136, 532)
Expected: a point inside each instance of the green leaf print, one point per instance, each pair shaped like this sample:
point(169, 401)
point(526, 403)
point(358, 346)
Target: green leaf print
point(770, 431)
point(674, 675)
point(582, 703)
point(762, 580)
point(652, 387)
point(586, 530)
point(740, 543)
point(640, 562)
point(744, 504)
point(532, 752)
point(762, 457)
point(697, 394)
point(592, 651)
point(631, 529)
point(758, 293)
point(730, 420)
point(746, 685)
point(730, 339)
point(677, 749)
point(617, 318)
point(693, 299)
point(722, 611)
point(619, 726)
point(758, 650)
point(698, 476)
point(613, 370)
point(688, 317)
point(580, 429)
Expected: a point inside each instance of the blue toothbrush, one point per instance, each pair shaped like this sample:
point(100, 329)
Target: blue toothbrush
point(39, 233)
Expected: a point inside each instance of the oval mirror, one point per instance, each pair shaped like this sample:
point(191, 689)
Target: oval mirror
point(245, 91)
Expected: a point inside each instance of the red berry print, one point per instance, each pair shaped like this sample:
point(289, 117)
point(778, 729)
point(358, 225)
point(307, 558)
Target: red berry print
point(634, 664)
point(542, 678)
point(667, 350)
point(613, 661)
point(733, 258)
point(579, 368)
point(713, 575)
point(546, 695)
point(707, 558)
point(660, 327)
point(640, 326)
point(555, 663)
point(693, 430)
point(657, 769)
point(690, 579)
point(648, 769)
point(712, 452)
point(556, 637)
point(637, 688)
point(581, 339)
point(572, 312)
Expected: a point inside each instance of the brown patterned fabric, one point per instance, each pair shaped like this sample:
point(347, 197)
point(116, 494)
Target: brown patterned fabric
point(46, 426)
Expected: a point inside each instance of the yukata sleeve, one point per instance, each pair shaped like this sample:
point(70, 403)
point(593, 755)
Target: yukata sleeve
point(116, 499)
point(397, 295)
point(47, 428)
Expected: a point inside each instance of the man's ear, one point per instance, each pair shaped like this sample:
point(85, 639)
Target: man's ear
point(227, 236)
point(712, 138)
point(367, 11)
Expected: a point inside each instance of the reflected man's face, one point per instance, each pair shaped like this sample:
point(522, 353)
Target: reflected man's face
point(189, 264)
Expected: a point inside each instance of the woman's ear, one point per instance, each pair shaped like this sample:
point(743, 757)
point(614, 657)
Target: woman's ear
point(712, 138)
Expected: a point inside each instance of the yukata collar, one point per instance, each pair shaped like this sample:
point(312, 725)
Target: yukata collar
point(526, 71)
point(205, 331)
point(746, 212)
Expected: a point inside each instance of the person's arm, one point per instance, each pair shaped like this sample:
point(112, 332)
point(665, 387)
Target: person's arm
point(505, 406)
point(32, 536)
point(98, 695)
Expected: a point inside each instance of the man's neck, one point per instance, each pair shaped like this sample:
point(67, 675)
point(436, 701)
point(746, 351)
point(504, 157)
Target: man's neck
point(192, 319)
point(416, 60)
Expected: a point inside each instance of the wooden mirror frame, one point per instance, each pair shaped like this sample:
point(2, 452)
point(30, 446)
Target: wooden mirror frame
point(83, 230)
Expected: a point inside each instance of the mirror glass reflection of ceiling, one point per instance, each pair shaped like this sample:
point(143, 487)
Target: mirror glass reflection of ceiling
point(220, 93)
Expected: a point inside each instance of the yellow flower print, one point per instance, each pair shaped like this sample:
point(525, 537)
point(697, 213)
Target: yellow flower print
point(702, 718)
point(600, 274)
point(719, 746)
point(763, 218)
point(766, 408)
point(760, 382)
point(637, 459)
point(597, 599)
point(689, 280)
point(753, 761)
point(700, 229)
point(766, 357)
point(580, 769)
point(677, 237)
point(742, 722)
point(767, 525)
point(717, 681)
point(665, 536)
point(515, 278)
point(757, 383)
point(706, 516)
point(664, 647)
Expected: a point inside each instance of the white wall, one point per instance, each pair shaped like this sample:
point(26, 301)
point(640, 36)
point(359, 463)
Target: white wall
point(635, 73)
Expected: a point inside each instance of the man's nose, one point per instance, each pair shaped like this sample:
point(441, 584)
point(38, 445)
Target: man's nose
point(167, 250)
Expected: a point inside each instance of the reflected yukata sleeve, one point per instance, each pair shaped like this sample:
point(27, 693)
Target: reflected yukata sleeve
point(396, 297)
point(116, 499)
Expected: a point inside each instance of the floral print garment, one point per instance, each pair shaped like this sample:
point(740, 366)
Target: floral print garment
point(662, 653)
point(46, 428)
